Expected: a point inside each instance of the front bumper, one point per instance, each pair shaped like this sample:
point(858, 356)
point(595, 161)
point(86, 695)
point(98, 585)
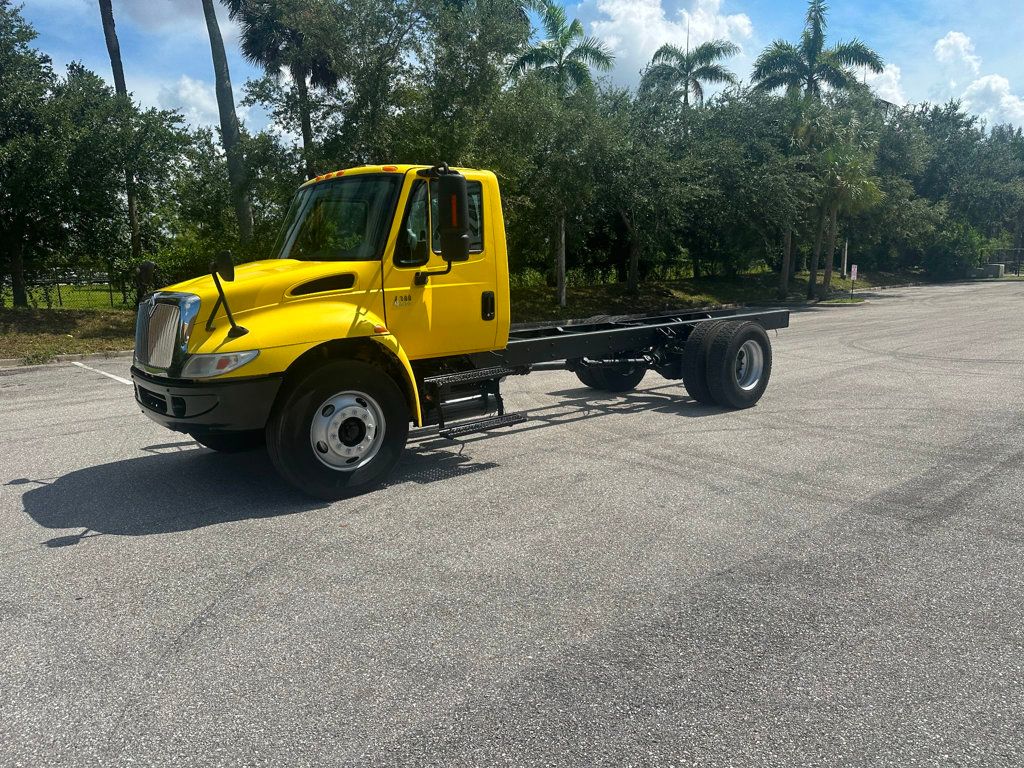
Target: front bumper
point(210, 406)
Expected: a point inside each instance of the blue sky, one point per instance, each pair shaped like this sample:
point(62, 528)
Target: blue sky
point(935, 49)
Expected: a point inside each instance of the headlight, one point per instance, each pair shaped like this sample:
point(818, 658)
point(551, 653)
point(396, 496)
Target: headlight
point(206, 366)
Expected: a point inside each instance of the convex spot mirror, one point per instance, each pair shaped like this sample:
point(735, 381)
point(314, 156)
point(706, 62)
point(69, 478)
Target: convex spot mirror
point(453, 210)
point(224, 266)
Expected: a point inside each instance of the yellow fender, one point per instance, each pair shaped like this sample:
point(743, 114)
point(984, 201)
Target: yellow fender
point(391, 343)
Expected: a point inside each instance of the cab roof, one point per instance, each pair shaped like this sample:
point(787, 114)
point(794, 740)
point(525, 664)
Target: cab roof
point(401, 169)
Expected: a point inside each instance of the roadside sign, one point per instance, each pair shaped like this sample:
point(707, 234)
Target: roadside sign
point(853, 273)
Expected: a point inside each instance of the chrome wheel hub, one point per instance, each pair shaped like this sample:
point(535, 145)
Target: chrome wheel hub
point(749, 365)
point(347, 431)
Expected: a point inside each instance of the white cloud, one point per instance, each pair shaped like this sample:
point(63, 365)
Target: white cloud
point(956, 50)
point(635, 29)
point(991, 98)
point(888, 85)
point(195, 99)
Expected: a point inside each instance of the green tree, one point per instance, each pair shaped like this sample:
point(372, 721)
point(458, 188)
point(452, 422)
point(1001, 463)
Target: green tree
point(273, 39)
point(121, 87)
point(809, 65)
point(682, 72)
point(566, 56)
point(229, 130)
point(28, 156)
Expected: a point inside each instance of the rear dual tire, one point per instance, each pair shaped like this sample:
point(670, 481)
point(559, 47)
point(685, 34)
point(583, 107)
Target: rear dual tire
point(727, 363)
point(612, 378)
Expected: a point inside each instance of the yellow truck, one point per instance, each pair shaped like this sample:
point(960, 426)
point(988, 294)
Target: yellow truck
point(387, 307)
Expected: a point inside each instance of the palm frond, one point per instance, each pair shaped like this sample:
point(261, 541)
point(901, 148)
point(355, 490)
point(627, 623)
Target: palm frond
point(553, 20)
point(593, 52)
point(579, 74)
point(788, 80)
point(538, 57)
point(857, 54)
point(713, 50)
point(815, 26)
point(670, 54)
point(778, 58)
point(713, 73)
point(834, 74)
point(660, 76)
point(576, 30)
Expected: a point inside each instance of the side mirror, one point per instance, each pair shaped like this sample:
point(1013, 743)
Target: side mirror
point(146, 273)
point(453, 210)
point(224, 266)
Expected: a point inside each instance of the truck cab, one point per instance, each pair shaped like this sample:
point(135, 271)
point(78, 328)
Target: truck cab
point(386, 305)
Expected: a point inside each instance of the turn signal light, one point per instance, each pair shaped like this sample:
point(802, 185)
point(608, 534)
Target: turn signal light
point(208, 366)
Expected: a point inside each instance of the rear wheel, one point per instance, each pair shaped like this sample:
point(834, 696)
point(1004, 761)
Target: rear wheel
point(739, 364)
point(612, 378)
point(695, 359)
point(339, 431)
point(231, 442)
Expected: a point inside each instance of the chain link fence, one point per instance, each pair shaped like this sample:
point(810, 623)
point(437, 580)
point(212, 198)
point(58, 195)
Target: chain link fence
point(1010, 258)
point(73, 290)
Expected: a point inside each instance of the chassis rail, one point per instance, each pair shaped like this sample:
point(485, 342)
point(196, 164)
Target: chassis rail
point(534, 343)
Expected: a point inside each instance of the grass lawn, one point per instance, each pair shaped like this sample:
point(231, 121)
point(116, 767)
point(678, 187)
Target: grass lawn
point(39, 335)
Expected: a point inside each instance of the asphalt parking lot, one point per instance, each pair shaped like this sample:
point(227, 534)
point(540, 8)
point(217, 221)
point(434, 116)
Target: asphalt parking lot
point(833, 577)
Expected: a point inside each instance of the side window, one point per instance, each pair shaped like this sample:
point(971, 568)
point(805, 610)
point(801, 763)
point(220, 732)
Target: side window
point(476, 219)
point(411, 250)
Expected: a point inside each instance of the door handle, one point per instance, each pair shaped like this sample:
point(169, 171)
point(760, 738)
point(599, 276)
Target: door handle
point(487, 307)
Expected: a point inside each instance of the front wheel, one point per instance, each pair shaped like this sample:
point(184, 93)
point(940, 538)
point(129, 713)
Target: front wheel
point(231, 442)
point(339, 431)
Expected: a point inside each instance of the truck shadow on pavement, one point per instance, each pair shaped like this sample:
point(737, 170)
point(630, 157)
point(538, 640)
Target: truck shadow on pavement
point(178, 486)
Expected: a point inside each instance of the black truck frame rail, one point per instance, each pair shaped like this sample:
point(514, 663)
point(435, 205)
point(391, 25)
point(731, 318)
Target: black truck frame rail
point(650, 340)
point(536, 343)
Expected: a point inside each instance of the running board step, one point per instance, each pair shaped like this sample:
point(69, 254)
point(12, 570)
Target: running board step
point(470, 427)
point(468, 377)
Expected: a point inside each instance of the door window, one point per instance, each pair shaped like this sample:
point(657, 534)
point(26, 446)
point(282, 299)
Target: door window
point(411, 250)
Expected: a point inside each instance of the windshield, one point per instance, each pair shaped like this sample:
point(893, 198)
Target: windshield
point(340, 220)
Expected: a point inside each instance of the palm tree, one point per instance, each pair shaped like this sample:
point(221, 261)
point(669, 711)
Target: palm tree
point(809, 65)
point(851, 188)
point(230, 134)
point(683, 72)
point(114, 51)
point(271, 42)
point(566, 56)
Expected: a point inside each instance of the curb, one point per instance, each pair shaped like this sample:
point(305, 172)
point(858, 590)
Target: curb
point(14, 363)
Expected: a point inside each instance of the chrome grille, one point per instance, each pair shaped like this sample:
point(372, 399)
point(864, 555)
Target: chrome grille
point(162, 329)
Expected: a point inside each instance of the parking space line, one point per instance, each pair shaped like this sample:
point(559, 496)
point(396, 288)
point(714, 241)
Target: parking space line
point(103, 373)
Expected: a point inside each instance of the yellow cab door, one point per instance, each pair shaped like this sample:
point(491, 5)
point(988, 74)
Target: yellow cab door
point(449, 314)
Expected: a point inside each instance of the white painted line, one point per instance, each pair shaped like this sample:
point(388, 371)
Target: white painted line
point(103, 373)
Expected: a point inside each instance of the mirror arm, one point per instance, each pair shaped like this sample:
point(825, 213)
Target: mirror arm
point(236, 330)
point(422, 277)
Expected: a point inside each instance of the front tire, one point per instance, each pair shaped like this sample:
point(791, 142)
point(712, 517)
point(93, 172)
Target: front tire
point(339, 431)
point(231, 442)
